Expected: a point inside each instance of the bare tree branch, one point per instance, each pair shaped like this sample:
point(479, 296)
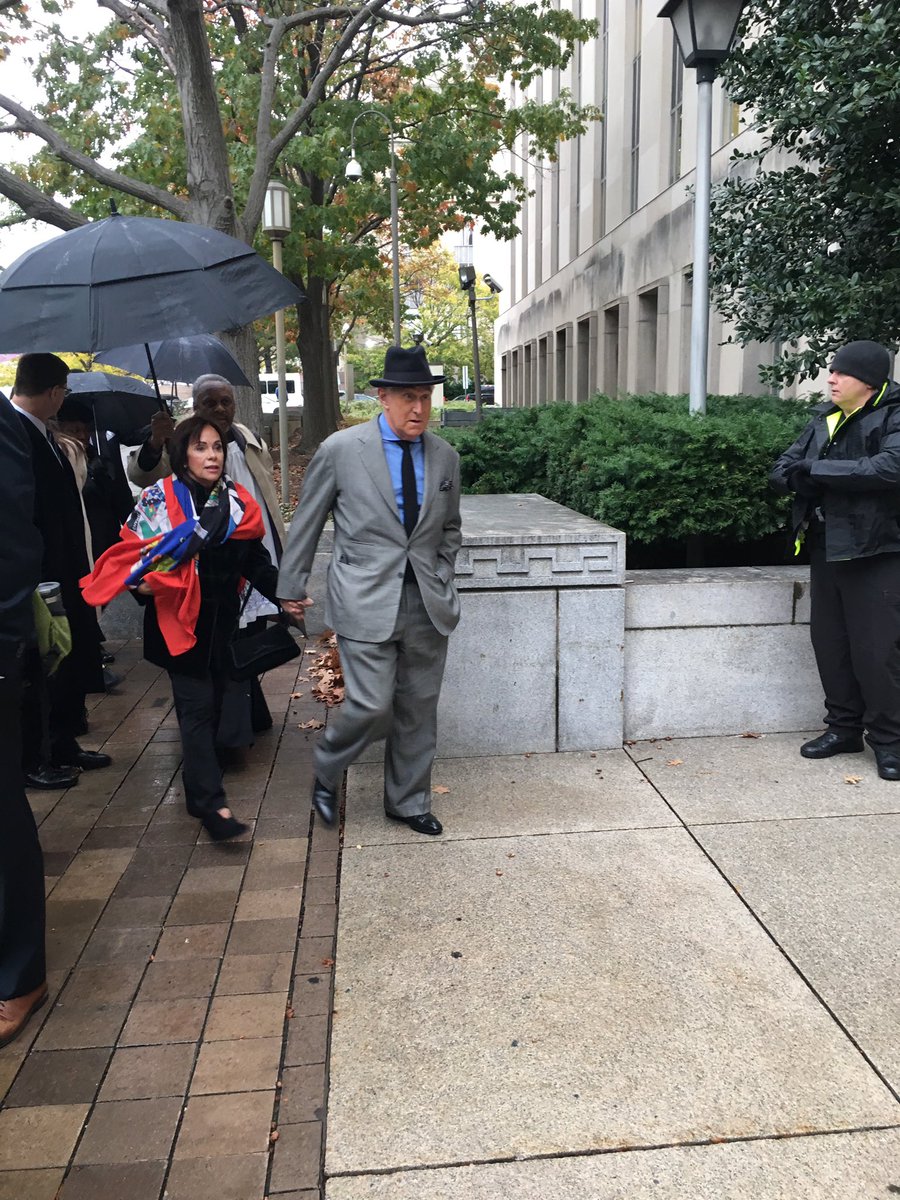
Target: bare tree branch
point(146, 20)
point(114, 179)
point(35, 205)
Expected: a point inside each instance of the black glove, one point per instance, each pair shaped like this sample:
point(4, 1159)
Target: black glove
point(800, 480)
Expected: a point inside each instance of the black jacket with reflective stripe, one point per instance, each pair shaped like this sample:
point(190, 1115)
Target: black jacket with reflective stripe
point(859, 473)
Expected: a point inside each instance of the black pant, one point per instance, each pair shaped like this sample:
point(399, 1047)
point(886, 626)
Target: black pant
point(855, 628)
point(22, 963)
point(198, 706)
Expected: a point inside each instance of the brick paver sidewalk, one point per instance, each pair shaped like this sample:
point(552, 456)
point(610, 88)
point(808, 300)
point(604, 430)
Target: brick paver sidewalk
point(184, 1049)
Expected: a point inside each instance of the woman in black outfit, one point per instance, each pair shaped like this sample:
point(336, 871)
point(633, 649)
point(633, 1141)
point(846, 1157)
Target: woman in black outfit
point(193, 527)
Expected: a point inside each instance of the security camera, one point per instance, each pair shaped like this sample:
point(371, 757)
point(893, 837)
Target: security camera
point(353, 170)
point(493, 284)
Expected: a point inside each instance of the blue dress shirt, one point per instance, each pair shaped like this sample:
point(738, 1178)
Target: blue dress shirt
point(394, 455)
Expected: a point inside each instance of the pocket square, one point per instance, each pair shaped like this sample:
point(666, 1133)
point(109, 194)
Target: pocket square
point(446, 485)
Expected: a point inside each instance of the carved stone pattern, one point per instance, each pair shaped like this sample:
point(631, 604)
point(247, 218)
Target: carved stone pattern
point(538, 566)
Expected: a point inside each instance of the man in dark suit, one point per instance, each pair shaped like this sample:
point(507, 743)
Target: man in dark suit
point(39, 391)
point(23, 986)
point(392, 489)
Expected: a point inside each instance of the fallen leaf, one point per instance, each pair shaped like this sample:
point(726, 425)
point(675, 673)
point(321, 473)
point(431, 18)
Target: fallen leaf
point(297, 695)
point(751, 735)
point(274, 1135)
point(853, 779)
point(327, 962)
point(289, 1013)
point(440, 790)
point(312, 724)
point(498, 872)
point(673, 762)
point(511, 854)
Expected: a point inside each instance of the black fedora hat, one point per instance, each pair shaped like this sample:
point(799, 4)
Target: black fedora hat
point(406, 368)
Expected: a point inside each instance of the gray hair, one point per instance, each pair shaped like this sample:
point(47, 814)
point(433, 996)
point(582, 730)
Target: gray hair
point(204, 382)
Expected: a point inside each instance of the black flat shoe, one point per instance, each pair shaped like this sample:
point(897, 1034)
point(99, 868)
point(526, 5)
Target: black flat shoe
point(324, 802)
point(420, 823)
point(829, 744)
point(888, 763)
point(220, 828)
point(51, 779)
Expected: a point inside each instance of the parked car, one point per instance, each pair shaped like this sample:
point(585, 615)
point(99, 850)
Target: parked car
point(487, 394)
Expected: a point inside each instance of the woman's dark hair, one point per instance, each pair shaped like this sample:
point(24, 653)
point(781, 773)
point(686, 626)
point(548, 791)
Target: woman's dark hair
point(186, 432)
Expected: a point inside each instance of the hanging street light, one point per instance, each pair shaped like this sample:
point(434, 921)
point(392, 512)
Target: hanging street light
point(705, 32)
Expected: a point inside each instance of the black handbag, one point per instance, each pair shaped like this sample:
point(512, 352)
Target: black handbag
point(264, 651)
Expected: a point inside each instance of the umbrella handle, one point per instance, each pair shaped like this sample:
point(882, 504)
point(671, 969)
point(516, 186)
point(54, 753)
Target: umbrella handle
point(159, 396)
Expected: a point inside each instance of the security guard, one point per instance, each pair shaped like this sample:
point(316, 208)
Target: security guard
point(844, 472)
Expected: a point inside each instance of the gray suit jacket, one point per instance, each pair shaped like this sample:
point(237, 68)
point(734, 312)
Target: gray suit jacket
point(349, 477)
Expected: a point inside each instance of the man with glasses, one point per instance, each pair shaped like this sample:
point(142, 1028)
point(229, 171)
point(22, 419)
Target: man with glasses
point(38, 394)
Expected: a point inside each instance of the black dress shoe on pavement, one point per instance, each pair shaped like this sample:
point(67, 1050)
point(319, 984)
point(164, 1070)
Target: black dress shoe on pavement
point(421, 823)
point(888, 763)
point(220, 828)
point(51, 779)
point(830, 743)
point(324, 802)
point(89, 760)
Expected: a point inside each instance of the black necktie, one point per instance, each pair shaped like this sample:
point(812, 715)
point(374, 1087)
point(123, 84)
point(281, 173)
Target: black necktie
point(408, 485)
point(54, 446)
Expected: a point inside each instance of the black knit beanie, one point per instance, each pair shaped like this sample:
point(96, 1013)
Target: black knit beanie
point(867, 361)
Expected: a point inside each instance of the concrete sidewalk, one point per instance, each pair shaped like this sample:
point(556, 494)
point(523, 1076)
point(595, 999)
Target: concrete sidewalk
point(663, 971)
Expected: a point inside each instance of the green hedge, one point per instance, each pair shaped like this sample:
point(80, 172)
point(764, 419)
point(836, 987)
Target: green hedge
point(642, 463)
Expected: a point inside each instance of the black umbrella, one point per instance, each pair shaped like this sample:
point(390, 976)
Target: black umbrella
point(126, 279)
point(181, 359)
point(121, 405)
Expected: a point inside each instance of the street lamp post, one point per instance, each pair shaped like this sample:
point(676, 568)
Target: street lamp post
point(705, 31)
point(354, 172)
point(467, 283)
point(276, 223)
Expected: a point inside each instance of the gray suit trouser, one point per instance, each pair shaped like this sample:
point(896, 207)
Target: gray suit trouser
point(392, 691)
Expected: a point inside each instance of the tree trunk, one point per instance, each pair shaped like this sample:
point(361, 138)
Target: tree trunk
point(321, 405)
point(242, 344)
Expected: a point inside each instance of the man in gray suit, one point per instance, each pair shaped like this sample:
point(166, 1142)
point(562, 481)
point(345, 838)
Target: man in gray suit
point(393, 491)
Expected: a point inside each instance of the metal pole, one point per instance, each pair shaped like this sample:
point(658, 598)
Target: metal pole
point(282, 384)
point(700, 294)
point(476, 363)
point(395, 240)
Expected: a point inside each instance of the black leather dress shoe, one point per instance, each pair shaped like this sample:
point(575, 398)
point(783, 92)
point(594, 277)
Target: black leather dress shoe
point(888, 763)
point(51, 779)
point(830, 743)
point(324, 802)
point(220, 828)
point(90, 760)
point(421, 823)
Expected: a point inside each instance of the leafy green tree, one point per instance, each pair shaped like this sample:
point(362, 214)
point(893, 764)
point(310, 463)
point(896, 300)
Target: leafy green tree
point(187, 108)
point(438, 314)
point(805, 233)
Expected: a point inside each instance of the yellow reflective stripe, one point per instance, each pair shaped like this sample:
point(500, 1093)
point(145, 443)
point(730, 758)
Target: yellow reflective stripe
point(833, 420)
point(880, 394)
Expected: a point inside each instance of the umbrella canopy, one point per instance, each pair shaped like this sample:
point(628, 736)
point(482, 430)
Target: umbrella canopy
point(123, 406)
point(126, 279)
point(180, 359)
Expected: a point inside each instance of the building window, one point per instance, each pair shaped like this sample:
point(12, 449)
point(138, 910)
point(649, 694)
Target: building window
point(504, 378)
point(611, 322)
point(634, 175)
point(561, 392)
point(515, 393)
point(648, 340)
point(676, 105)
point(732, 119)
point(543, 371)
point(585, 339)
point(603, 101)
point(527, 390)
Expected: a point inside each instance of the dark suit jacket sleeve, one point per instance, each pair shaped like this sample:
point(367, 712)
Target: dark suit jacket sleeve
point(316, 498)
point(21, 549)
point(259, 569)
